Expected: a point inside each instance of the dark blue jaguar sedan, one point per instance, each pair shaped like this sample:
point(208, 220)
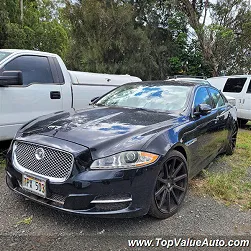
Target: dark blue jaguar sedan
point(130, 153)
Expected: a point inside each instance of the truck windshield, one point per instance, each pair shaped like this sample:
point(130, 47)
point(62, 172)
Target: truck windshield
point(3, 55)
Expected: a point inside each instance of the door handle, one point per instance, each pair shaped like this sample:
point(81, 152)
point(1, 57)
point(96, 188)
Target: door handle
point(55, 95)
point(243, 101)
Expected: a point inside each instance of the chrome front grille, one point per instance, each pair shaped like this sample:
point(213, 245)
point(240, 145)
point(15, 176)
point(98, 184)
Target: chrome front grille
point(54, 163)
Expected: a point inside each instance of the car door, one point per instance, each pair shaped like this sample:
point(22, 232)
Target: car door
point(40, 93)
point(234, 87)
point(206, 131)
point(222, 118)
point(245, 111)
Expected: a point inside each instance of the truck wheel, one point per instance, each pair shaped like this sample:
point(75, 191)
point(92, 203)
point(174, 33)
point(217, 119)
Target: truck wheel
point(242, 122)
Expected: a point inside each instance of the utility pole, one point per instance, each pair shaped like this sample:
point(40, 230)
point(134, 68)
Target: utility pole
point(22, 10)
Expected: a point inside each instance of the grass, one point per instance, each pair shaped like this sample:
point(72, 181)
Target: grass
point(2, 163)
point(229, 178)
point(26, 221)
point(4, 146)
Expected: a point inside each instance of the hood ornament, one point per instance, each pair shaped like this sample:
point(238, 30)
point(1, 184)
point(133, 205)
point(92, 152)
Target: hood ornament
point(39, 153)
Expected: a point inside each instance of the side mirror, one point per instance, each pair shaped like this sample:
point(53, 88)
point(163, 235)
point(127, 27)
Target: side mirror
point(202, 109)
point(93, 100)
point(9, 78)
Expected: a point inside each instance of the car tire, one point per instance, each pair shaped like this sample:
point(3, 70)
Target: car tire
point(232, 140)
point(242, 122)
point(170, 186)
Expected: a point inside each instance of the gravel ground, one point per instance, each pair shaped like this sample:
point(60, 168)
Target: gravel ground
point(199, 216)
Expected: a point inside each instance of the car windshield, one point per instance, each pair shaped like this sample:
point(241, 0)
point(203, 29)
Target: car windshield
point(152, 96)
point(3, 55)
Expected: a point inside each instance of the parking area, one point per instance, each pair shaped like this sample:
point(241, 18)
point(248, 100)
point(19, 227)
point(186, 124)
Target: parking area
point(200, 216)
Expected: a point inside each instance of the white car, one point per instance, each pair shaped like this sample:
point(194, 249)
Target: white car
point(239, 87)
point(34, 83)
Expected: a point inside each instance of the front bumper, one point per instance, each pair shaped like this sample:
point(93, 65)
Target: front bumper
point(104, 193)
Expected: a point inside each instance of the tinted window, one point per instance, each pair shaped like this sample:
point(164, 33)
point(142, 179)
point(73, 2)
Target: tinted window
point(249, 87)
point(59, 71)
point(234, 84)
point(152, 96)
point(224, 98)
point(202, 97)
point(3, 55)
point(217, 98)
point(35, 69)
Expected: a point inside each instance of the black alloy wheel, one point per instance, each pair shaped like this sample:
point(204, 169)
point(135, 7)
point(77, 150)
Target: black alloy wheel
point(171, 186)
point(232, 140)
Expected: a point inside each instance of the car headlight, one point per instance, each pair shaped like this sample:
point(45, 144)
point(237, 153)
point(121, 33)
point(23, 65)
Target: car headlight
point(129, 159)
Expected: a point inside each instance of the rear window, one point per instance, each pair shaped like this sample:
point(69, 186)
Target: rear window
point(234, 85)
point(217, 98)
point(249, 88)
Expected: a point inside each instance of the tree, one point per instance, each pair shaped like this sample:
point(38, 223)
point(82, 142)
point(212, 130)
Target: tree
point(231, 23)
point(40, 28)
point(104, 38)
point(223, 43)
point(3, 22)
point(137, 37)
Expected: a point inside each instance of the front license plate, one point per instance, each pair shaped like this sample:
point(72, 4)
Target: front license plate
point(34, 184)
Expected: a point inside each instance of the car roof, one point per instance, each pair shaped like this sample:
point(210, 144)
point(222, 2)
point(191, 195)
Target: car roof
point(231, 76)
point(17, 51)
point(170, 82)
point(194, 80)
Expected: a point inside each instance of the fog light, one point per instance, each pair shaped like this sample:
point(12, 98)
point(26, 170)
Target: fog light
point(111, 206)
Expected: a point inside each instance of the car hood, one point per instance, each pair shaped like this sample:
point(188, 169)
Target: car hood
point(103, 130)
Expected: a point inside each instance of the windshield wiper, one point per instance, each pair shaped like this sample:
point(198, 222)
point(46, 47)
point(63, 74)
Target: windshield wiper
point(149, 110)
point(98, 105)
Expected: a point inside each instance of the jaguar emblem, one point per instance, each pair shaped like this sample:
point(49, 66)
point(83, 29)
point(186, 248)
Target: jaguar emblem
point(39, 153)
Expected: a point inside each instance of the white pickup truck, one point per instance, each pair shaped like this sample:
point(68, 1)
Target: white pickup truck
point(34, 83)
point(239, 87)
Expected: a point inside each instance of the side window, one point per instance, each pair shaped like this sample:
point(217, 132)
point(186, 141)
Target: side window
point(35, 69)
point(218, 101)
point(202, 97)
point(234, 85)
point(249, 87)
